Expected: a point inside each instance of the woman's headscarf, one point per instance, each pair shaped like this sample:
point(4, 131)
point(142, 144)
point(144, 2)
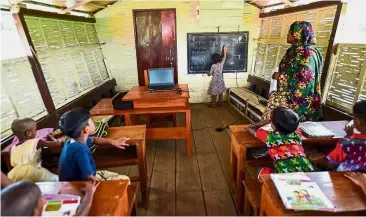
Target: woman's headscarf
point(300, 70)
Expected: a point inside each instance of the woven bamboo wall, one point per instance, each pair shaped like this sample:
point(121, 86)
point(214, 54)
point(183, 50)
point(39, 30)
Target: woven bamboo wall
point(70, 55)
point(347, 78)
point(273, 44)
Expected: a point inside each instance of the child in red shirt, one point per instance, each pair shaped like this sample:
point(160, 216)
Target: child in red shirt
point(350, 152)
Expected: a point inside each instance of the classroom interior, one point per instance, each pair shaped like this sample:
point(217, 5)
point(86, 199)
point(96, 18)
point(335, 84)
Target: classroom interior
point(187, 159)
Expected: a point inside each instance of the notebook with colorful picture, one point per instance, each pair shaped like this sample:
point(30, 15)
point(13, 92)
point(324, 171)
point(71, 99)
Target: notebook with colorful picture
point(298, 192)
point(60, 204)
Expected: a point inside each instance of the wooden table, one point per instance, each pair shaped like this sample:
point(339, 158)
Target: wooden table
point(346, 196)
point(108, 156)
point(241, 141)
point(110, 199)
point(154, 103)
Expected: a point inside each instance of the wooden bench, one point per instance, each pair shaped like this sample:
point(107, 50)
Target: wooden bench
point(252, 199)
point(107, 156)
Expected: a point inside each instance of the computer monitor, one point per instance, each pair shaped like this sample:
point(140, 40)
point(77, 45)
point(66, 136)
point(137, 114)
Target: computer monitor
point(161, 76)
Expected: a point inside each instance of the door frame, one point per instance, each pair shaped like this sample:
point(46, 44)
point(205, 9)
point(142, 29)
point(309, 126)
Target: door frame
point(176, 38)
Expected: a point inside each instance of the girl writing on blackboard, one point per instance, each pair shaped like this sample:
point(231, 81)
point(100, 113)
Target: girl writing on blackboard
point(217, 85)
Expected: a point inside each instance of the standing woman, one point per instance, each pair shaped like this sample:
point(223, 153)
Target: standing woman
point(299, 75)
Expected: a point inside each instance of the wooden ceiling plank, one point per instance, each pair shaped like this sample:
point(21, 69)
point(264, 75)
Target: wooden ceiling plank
point(96, 5)
point(78, 4)
point(14, 2)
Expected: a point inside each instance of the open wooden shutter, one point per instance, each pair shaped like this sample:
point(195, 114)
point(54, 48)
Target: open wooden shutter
point(70, 56)
point(273, 37)
point(347, 77)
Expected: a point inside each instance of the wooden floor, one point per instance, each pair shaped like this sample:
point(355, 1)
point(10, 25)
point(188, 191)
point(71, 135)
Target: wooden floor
point(196, 185)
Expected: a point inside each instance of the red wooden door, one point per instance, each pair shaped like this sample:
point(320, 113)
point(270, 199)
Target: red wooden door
point(156, 46)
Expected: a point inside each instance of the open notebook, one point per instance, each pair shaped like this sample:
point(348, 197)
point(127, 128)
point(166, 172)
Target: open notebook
point(315, 129)
point(60, 204)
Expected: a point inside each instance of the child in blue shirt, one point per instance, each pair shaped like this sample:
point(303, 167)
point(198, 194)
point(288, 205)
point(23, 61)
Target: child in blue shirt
point(76, 160)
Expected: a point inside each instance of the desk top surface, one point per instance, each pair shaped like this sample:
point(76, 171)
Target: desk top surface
point(241, 135)
point(135, 133)
point(107, 197)
point(343, 193)
point(141, 92)
point(105, 107)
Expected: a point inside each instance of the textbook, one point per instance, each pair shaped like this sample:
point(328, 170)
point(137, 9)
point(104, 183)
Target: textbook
point(60, 204)
point(315, 129)
point(298, 192)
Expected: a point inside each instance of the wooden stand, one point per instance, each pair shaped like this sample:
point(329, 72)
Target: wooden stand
point(154, 103)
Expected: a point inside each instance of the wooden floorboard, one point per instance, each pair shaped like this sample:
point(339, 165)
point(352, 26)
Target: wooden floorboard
point(163, 175)
point(195, 185)
point(190, 204)
point(219, 203)
point(187, 175)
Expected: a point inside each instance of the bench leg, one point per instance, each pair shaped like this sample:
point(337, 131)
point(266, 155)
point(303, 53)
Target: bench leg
point(233, 168)
point(247, 207)
point(188, 132)
point(239, 186)
point(141, 155)
point(128, 121)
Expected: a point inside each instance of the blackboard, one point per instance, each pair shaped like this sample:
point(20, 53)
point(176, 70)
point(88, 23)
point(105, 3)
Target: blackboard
point(201, 46)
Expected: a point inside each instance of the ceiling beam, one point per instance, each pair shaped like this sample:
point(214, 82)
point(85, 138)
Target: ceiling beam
point(289, 3)
point(76, 5)
point(96, 5)
point(14, 2)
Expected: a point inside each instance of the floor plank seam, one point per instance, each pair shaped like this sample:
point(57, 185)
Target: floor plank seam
point(199, 173)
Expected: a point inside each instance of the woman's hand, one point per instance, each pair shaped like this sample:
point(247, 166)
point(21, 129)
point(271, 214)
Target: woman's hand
point(276, 75)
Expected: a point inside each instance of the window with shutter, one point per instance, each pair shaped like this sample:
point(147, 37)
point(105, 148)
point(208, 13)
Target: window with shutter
point(70, 56)
point(273, 37)
point(20, 96)
point(347, 83)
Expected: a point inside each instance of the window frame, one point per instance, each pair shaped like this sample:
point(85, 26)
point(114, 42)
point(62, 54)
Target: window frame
point(53, 114)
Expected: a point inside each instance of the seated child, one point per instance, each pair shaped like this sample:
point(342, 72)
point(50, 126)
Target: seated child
point(25, 156)
point(25, 199)
point(350, 153)
point(76, 160)
point(283, 142)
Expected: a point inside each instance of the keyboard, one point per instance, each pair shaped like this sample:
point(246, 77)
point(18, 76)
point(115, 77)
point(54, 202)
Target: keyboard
point(161, 88)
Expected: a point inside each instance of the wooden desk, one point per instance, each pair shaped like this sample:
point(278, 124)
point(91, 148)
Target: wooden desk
point(346, 196)
point(108, 156)
point(241, 140)
point(154, 103)
point(110, 199)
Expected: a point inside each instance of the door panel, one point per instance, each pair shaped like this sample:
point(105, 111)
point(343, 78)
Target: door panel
point(155, 34)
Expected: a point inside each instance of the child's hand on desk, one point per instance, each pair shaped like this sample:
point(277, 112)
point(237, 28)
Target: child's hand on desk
point(121, 143)
point(356, 177)
point(90, 187)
